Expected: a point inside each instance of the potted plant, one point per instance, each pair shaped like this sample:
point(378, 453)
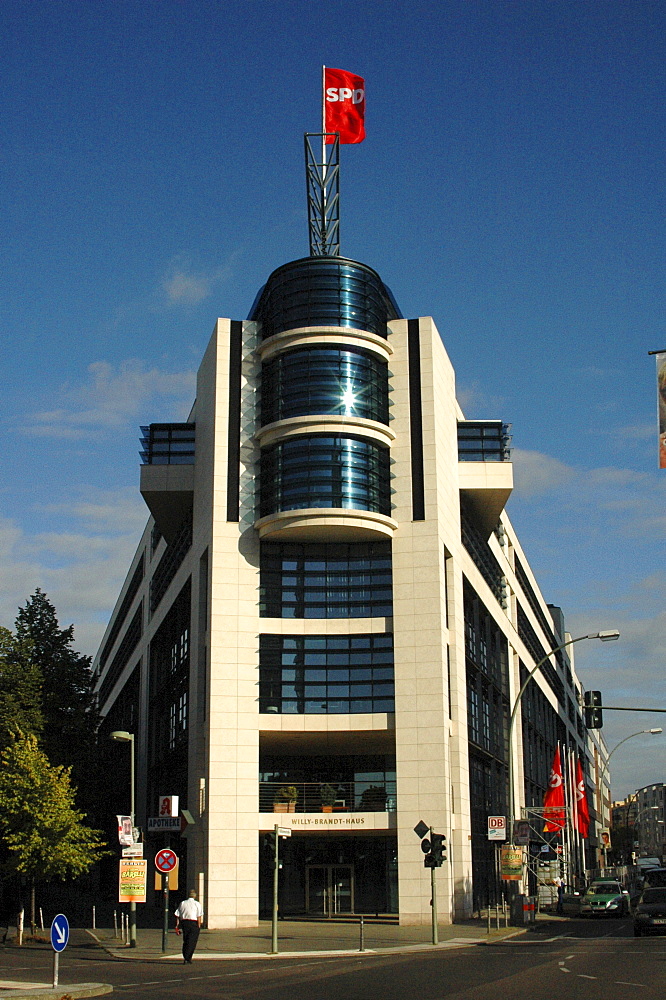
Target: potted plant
point(373, 799)
point(285, 799)
point(328, 795)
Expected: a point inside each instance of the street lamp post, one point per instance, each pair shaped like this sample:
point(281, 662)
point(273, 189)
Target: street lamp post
point(641, 732)
point(123, 737)
point(606, 636)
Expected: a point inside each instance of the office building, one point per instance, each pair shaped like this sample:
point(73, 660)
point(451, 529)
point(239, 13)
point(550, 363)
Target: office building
point(329, 615)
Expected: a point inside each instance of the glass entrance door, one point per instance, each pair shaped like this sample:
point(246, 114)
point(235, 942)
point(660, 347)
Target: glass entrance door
point(329, 889)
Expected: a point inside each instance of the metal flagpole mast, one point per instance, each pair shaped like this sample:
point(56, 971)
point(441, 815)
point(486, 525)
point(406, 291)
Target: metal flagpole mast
point(565, 831)
point(572, 815)
point(323, 126)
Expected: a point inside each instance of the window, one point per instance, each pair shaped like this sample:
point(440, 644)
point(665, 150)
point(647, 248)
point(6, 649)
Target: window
point(326, 581)
point(334, 674)
point(323, 471)
point(325, 381)
point(167, 444)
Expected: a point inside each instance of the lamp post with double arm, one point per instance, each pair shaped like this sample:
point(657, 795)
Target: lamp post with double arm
point(606, 636)
point(124, 737)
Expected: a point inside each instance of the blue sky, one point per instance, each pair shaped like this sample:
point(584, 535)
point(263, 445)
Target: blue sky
point(511, 185)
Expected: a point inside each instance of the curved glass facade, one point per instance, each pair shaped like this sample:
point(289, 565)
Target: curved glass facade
point(324, 291)
point(325, 381)
point(321, 470)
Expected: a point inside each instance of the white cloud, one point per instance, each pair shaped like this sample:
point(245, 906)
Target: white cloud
point(110, 399)
point(81, 568)
point(536, 473)
point(183, 285)
point(186, 288)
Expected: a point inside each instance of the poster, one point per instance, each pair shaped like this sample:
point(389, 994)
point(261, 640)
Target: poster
point(133, 875)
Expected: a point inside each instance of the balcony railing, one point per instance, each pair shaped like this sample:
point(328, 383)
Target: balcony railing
point(483, 441)
point(168, 444)
point(333, 796)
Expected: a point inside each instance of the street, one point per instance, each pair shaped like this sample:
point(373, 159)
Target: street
point(573, 960)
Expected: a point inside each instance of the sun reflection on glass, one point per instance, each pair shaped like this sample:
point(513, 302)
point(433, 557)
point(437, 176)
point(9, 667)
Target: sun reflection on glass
point(348, 399)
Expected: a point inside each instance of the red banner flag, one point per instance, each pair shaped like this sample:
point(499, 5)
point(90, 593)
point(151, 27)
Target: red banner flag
point(583, 810)
point(553, 800)
point(344, 105)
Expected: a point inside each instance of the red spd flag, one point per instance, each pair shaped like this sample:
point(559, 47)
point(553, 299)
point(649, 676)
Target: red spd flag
point(553, 800)
point(583, 810)
point(344, 105)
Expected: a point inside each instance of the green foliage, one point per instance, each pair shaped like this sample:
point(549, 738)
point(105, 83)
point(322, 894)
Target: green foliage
point(287, 793)
point(20, 688)
point(68, 705)
point(42, 830)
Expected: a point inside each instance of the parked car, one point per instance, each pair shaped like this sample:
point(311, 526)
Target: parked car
point(650, 911)
point(606, 899)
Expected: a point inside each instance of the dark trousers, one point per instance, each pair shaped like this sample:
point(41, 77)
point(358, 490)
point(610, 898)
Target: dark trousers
point(190, 929)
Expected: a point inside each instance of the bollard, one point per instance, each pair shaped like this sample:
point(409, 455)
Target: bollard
point(41, 918)
point(115, 923)
point(361, 930)
point(497, 915)
point(93, 926)
point(488, 917)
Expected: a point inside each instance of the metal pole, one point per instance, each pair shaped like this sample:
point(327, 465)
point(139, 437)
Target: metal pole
point(512, 803)
point(132, 917)
point(165, 923)
point(56, 956)
point(276, 865)
point(433, 891)
point(361, 946)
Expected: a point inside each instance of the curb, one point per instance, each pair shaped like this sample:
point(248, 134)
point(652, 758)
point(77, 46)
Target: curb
point(448, 945)
point(58, 992)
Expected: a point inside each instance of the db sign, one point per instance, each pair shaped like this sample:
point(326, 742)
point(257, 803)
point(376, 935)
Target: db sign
point(497, 828)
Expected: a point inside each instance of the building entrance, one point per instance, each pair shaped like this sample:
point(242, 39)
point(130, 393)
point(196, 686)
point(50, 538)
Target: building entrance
point(329, 890)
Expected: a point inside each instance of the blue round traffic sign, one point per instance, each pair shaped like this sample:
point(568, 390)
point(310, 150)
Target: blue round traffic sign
point(59, 932)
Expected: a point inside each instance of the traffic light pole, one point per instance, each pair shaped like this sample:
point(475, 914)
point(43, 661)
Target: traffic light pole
point(433, 898)
point(276, 870)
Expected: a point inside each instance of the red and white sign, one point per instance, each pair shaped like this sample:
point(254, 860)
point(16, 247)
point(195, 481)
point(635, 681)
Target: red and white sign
point(344, 105)
point(168, 805)
point(166, 860)
point(497, 828)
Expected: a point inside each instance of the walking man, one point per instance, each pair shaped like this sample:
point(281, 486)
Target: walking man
point(188, 920)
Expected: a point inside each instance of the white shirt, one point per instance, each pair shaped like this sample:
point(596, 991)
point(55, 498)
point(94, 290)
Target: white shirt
point(190, 909)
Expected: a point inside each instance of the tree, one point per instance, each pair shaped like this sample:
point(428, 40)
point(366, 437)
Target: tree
point(20, 688)
point(68, 703)
point(43, 832)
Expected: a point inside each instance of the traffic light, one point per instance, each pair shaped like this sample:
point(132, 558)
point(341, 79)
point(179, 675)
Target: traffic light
point(438, 841)
point(592, 711)
point(434, 850)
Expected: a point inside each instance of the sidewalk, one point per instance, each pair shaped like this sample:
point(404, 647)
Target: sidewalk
point(300, 937)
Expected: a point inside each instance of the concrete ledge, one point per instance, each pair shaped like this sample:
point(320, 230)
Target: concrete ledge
point(17, 991)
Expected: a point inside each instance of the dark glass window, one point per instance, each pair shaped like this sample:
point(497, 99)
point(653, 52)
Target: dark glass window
point(326, 581)
point(483, 441)
point(334, 674)
point(324, 291)
point(319, 470)
point(167, 444)
point(327, 381)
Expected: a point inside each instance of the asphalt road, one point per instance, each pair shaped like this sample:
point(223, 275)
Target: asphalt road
point(572, 960)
